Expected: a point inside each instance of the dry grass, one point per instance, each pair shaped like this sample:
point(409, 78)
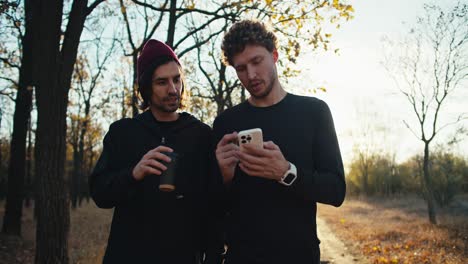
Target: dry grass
point(89, 229)
point(398, 230)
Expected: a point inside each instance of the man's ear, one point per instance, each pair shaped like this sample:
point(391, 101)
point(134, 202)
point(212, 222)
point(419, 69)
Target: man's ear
point(275, 55)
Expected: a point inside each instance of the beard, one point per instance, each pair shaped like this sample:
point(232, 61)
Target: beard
point(268, 85)
point(168, 104)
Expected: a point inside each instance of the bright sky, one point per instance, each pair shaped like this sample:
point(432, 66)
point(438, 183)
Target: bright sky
point(359, 89)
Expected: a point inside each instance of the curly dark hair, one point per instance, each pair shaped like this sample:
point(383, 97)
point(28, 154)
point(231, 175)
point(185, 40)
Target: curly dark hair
point(145, 89)
point(246, 32)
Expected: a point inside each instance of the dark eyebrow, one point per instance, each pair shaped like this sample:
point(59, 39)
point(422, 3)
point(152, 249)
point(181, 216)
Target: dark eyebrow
point(256, 57)
point(165, 78)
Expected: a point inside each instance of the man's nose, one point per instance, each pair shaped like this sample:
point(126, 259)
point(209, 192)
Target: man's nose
point(172, 87)
point(251, 72)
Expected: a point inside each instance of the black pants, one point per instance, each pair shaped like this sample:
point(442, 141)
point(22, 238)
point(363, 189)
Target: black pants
point(273, 258)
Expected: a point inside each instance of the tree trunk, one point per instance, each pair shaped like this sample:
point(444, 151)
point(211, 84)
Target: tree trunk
point(123, 113)
point(52, 73)
point(2, 179)
point(428, 185)
point(75, 176)
point(172, 24)
point(135, 86)
point(81, 150)
point(16, 168)
point(365, 180)
point(53, 219)
point(78, 159)
point(29, 190)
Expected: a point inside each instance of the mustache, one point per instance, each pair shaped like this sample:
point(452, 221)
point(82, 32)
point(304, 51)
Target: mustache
point(171, 97)
point(254, 82)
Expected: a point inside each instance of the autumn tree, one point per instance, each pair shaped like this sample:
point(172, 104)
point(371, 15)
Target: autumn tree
point(429, 66)
point(218, 85)
point(11, 33)
point(448, 170)
point(87, 78)
point(168, 20)
point(23, 103)
point(296, 23)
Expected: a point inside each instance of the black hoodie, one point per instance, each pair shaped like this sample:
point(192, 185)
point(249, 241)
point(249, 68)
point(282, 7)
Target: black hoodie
point(150, 226)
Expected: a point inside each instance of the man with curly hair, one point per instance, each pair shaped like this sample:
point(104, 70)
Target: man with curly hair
point(272, 192)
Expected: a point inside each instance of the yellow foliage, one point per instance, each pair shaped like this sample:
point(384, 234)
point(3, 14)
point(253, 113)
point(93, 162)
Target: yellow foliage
point(336, 3)
point(190, 5)
point(349, 8)
point(383, 260)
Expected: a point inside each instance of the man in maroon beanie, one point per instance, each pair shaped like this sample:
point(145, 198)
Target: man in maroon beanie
point(150, 224)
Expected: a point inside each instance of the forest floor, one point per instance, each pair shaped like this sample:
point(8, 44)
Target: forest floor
point(372, 230)
point(89, 229)
point(397, 230)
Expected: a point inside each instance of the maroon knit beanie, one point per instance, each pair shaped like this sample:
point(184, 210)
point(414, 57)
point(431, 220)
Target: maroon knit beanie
point(151, 51)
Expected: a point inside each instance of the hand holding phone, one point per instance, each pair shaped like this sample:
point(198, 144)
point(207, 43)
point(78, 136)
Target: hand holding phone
point(251, 136)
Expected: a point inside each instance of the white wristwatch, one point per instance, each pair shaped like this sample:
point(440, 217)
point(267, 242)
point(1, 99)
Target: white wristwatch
point(290, 176)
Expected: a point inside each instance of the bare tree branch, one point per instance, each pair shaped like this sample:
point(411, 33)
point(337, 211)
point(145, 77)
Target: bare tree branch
point(93, 6)
point(9, 63)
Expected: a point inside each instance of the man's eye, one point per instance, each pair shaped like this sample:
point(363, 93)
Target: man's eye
point(257, 60)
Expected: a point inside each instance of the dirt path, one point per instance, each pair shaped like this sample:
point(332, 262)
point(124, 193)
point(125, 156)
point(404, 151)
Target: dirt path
point(333, 250)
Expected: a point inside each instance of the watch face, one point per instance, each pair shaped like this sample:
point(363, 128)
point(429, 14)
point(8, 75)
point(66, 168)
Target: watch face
point(289, 178)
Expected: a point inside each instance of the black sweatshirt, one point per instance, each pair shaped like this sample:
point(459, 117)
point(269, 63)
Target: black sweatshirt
point(150, 226)
point(266, 221)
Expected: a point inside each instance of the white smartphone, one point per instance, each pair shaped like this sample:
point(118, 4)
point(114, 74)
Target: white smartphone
point(251, 136)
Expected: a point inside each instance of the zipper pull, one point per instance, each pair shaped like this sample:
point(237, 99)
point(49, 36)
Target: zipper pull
point(163, 141)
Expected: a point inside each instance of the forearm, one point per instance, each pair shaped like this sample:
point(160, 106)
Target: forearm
point(321, 187)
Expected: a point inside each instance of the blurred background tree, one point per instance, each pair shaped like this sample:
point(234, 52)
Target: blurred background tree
point(428, 67)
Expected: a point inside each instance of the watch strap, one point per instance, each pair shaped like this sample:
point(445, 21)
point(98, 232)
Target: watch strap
point(291, 171)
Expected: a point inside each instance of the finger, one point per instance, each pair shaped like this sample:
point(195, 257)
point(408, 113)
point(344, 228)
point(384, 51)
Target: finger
point(154, 155)
point(147, 170)
point(270, 145)
point(155, 164)
point(248, 171)
point(227, 154)
point(253, 150)
point(163, 149)
point(230, 161)
point(228, 138)
point(229, 146)
point(247, 157)
point(253, 167)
